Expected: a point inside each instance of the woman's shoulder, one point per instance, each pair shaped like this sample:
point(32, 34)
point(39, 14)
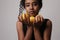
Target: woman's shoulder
point(18, 22)
point(19, 25)
point(48, 22)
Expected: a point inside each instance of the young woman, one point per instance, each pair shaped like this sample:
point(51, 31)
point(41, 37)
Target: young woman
point(39, 29)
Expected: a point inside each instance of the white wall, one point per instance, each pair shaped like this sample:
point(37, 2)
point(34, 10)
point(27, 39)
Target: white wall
point(9, 10)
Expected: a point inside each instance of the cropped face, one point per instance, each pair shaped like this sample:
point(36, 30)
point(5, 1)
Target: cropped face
point(32, 7)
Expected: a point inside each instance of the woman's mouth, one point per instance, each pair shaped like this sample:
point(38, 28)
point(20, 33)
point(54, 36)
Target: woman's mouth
point(32, 12)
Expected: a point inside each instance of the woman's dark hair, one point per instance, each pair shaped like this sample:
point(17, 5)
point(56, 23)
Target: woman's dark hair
point(22, 5)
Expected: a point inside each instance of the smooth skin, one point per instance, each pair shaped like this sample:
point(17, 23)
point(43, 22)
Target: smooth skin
point(32, 8)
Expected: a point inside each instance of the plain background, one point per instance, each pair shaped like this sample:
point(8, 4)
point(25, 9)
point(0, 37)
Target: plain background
point(9, 10)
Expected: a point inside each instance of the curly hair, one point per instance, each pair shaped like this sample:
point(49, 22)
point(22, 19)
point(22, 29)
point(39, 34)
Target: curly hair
point(22, 5)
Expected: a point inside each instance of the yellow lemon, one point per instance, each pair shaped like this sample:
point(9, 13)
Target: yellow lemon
point(32, 19)
point(27, 15)
point(23, 16)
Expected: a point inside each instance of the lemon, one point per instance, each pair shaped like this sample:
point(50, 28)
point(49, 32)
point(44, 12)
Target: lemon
point(23, 16)
point(32, 19)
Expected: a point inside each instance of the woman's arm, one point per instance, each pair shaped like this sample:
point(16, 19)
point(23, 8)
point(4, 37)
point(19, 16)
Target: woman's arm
point(28, 33)
point(39, 20)
point(37, 34)
point(19, 30)
point(47, 31)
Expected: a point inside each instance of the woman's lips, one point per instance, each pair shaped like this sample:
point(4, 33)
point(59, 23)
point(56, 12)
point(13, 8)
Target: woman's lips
point(31, 12)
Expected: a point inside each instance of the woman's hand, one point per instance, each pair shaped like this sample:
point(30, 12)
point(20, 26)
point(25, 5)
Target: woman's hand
point(38, 21)
point(39, 18)
point(24, 18)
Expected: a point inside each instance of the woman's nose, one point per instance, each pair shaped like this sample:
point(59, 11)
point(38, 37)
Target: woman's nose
point(31, 7)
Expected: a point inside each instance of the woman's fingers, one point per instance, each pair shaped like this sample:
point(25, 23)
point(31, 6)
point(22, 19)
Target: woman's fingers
point(20, 18)
point(39, 18)
point(24, 18)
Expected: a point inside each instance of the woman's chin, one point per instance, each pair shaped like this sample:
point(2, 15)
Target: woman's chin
point(32, 15)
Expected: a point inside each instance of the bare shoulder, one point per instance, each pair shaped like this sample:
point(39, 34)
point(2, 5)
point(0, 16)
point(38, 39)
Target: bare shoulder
point(19, 25)
point(49, 23)
point(18, 22)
